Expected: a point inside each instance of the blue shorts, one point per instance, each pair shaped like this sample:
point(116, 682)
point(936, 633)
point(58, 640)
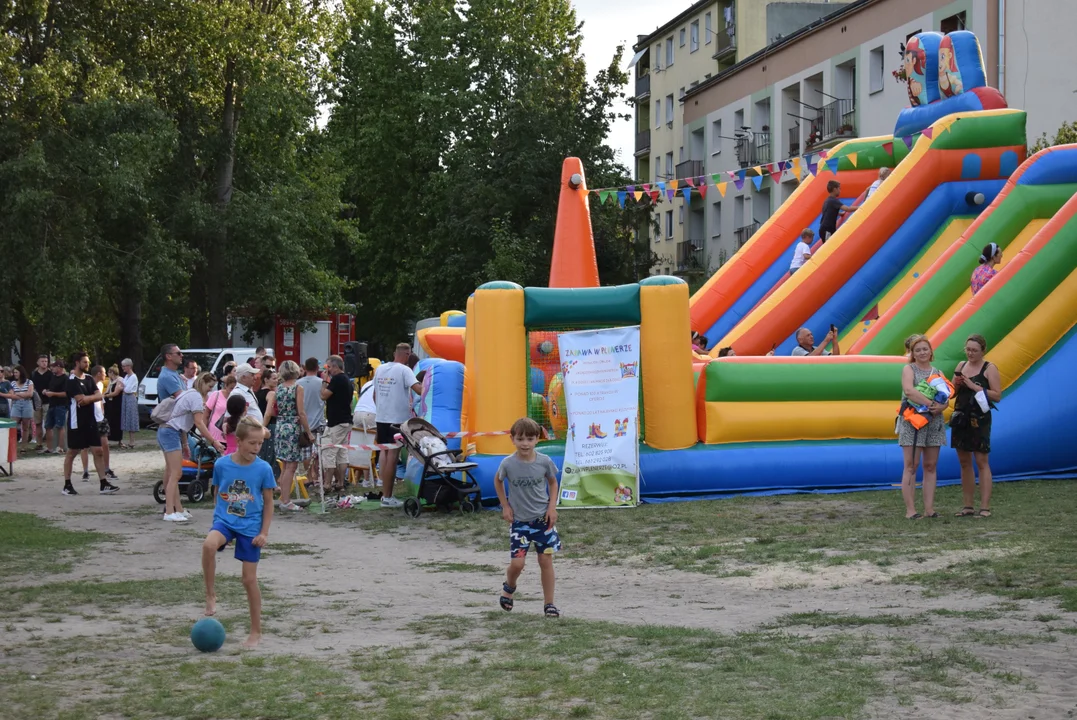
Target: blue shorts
point(22, 409)
point(168, 439)
point(245, 549)
point(56, 417)
point(522, 534)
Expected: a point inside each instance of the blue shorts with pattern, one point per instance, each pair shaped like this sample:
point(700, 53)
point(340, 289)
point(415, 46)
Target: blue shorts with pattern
point(523, 533)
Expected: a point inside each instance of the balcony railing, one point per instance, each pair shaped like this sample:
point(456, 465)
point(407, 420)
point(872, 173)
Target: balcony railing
point(690, 256)
point(643, 86)
point(793, 146)
point(744, 234)
point(753, 150)
point(688, 169)
point(725, 35)
point(836, 120)
point(643, 141)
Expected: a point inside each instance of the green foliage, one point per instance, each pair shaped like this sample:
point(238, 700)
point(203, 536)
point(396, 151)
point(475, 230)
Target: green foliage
point(1066, 135)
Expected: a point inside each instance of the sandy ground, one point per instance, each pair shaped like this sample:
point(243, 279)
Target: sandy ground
point(388, 577)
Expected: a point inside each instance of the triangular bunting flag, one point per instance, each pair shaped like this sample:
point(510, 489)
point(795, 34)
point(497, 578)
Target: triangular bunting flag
point(732, 175)
point(823, 153)
point(631, 189)
point(888, 147)
point(715, 179)
point(907, 139)
point(741, 174)
point(758, 170)
point(928, 132)
point(603, 196)
point(655, 196)
point(795, 163)
point(833, 165)
point(852, 158)
point(638, 194)
point(813, 168)
point(758, 180)
point(721, 188)
point(661, 187)
point(673, 184)
point(691, 182)
point(670, 192)
point(782, 166)
point(776, 177)
point(739, 182)
point(687, 192)
point(621, 198)
point(647, 188)
point(702, 190)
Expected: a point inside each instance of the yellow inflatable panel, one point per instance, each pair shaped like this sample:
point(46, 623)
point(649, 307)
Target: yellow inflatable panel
point(498, 397)
point(770, 421)
point(1011, 250)
point(666, 360)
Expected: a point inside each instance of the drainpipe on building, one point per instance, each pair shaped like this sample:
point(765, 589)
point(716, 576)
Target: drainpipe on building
point(1002, 47)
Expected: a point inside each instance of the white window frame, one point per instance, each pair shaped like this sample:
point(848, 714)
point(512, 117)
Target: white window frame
point(708, 26)
point(716, 137)
point(658, 114)
point(669, 224)
point(876, 70)
point(693, 36)
point(669, 110)
point(670, 53)
point(680, 40)
point(658, 57)
point(669, 165)
point(680, 214)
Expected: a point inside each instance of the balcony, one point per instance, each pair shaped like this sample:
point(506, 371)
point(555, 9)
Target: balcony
point(688, 169)
point(792, 148)
point(753, 150)
point(643, 141)
point(744, 234)
point(690, 257)
point(725, 36)
point(643, 87)
point(835, 121)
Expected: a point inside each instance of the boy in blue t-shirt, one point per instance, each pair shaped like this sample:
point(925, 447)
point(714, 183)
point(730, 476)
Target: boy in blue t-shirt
point(530, 508)
point(244, 486)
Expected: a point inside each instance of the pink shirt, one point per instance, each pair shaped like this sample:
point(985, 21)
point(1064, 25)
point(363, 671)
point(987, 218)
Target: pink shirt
point(980, 276)
point(217, 405)
point(230, 443)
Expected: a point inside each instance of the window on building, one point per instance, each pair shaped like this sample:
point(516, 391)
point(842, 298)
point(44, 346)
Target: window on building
point(669, 225)
point(669, 51)
point(708, 29)
point(657, 114)
point(669, 110)
point(693, 38)
point(914, 32)
point(669, 165)
point(680, 94)
point(716, 137)
point(953, 23)
point(680, 42)
point(658, 56)
point(716, 218)
point(680, 215)
point(657, 168)
point(875, 70)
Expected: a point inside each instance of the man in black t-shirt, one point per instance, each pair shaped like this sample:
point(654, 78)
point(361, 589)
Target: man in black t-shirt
point(55, 394)
point(40, 377)
point(832, 207)
point(82, 393)
point(337, 393)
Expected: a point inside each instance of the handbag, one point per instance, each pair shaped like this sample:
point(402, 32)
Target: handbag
point(304, 439)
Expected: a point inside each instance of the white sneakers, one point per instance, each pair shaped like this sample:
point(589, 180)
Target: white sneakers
point(391, 502)
point(177, 517)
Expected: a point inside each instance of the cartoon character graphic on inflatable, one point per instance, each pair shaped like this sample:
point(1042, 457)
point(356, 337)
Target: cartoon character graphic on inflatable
point(915, 65)
point(949, 74)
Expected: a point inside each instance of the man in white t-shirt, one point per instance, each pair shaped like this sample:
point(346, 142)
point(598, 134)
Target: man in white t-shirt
point(393, 385)
point(244, 380)
point(883, 174)
point(802, 251)
point(806, 346)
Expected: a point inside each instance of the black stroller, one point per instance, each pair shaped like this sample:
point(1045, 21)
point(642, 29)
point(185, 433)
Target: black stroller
point(197, 472)
point(437, 486)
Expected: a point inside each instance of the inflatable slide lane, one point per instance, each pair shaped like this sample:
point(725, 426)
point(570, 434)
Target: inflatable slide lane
point(956, 166)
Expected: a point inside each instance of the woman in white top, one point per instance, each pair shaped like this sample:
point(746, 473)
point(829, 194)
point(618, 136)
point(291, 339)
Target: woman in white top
point(129, 414)
point(188, 412)
point(22, 402)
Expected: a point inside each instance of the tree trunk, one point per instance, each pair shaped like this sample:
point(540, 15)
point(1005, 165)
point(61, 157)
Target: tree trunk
point(27, 335)
point(130, 317)
point(215, 250)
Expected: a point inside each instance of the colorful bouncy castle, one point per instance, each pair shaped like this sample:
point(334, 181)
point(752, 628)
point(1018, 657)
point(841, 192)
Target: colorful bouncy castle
point(901, 264)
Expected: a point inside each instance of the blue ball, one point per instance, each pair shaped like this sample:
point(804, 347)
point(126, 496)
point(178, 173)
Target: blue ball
point(208, 635)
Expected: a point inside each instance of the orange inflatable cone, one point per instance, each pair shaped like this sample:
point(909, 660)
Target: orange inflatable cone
point(574, 264)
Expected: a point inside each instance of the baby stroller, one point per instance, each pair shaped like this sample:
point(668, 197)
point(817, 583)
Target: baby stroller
point(197, 472)
point(437, 486)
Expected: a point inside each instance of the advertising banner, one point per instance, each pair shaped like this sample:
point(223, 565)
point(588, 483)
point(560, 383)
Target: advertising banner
point(600, 371)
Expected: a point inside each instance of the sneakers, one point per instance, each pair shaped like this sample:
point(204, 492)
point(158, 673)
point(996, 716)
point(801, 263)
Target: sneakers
point(109, 489)
point(391, 502)
point(175, 517)
point(68, 490)
point(186, 514)
point(109, 475)
point(85, 476)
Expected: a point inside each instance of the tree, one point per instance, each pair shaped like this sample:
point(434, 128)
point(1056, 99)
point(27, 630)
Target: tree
point(1067, 134)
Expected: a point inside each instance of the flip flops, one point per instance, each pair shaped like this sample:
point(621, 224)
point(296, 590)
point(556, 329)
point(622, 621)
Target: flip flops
point(506, 602)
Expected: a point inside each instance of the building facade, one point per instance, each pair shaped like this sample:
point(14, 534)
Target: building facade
point(832, 80)
point(692, 48)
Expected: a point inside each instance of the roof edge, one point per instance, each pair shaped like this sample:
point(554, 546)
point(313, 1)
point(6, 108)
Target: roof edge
point(661, 30)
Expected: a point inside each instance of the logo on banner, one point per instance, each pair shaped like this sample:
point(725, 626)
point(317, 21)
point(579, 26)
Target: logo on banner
point(568, 494)
point(595, 432)
point(566, 366)
point(628, 370)
point(620, 428)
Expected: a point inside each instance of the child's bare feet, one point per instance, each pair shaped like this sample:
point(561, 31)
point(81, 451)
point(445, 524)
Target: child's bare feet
point(252, 640)
point(211, 606)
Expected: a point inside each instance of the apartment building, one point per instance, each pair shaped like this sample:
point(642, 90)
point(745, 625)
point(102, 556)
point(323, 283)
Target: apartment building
point(832, 80)
point(671, 62)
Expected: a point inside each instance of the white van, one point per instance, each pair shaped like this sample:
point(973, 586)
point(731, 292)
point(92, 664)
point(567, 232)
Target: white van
point(208, 359)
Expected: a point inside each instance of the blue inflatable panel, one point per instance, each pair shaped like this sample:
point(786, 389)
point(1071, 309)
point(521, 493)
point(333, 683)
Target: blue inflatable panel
point(457, 321)
point(447, 391)
point(896, 253)
point(1056, 167)
point(1029, 440)
point(760, 287)
point(912, 120)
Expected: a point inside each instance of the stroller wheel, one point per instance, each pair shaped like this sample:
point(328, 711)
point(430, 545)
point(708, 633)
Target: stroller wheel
point(196, 491)
point(412, 508)
point(159, 492)
point(466, 506)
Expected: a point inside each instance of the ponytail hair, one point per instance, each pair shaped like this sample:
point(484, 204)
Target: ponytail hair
point(236, 409)
point(990, 251)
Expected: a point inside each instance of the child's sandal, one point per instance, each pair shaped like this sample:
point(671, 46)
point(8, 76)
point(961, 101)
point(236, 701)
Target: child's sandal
point(551, 611)
point(506, 602)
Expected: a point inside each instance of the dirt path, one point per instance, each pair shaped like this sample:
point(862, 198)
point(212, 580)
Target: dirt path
point(359, 589)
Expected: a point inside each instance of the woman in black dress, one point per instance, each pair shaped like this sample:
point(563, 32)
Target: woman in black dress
point(971, 424)
point(114, 405)
point(266, 395)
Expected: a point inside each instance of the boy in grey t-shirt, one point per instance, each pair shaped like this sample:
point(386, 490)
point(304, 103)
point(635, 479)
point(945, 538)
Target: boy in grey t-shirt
point(530, 509)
